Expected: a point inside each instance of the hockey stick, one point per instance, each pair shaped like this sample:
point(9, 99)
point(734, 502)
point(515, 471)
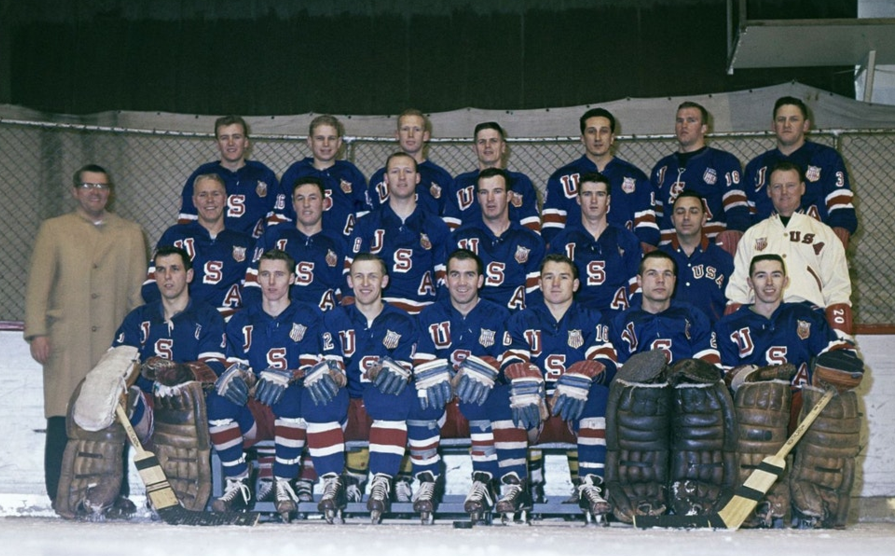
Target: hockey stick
point(746, 497)
point(162, 495)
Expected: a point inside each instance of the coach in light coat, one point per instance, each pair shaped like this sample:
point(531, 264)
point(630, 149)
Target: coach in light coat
point(85, 276)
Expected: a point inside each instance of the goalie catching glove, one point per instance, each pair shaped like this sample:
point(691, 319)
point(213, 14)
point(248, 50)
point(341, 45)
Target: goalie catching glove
point(389, 376)
point(572, 388)
point(272, 383)
point(433, 383)
point(324, 380)
point(841, 369)
point(475, 378)
point(526, 394)
point(169, 373)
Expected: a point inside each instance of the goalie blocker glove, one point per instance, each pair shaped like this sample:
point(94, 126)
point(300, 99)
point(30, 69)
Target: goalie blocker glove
point(526, 394)
point(323, 381)
point(572, 388)
point(232, 384)
point(272, 383)
point(169, 373)
point(433, 383)
point(475, 379)
point(389, 376)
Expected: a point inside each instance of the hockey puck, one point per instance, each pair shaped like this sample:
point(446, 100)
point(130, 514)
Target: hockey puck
point(462, 525)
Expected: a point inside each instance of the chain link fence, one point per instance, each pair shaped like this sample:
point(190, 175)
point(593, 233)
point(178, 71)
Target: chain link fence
point(149, 169)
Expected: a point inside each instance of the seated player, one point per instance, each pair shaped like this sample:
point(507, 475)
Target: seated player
point(219, 256)
point(556, 348)
point(606, 255)
point(462, 205)
point(510, 252)
point(372, 342)
point(271, 346)
point(462, 334)
point(770, 348)
point(704, 267)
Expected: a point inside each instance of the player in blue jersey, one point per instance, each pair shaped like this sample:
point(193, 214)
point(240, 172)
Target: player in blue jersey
point(219, 257)
point(607, 256)
point(252, 187)
point(764, 344)
point(464, 333)
point(772, 332)
point(346, 187)
point(558, 349)
point(713, 173)
point(373, 342)
point(318, 254)
point(659, 322)
point(632, 198)
point(182, 346)
point(828, 195)
point(411, 241)
point(271, 345)
point(413, 133)
point(509, 251)
point(703, 268)
point(462, 203)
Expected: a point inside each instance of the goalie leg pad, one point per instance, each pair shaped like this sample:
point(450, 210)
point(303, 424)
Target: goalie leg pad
point(91, 468)
point(824, 465)
point(637, 441)
point(703, 440)
point(183, 444)
point(763, 411)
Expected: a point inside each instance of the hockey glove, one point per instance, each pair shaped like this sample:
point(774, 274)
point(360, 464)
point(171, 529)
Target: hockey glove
point(169, 373)
point(572, 389)
point(272, 383)
point(433, 383)
point(232, 384)
point(324, 380)
point(475, 378)
point(526, 394)
point(839, 368)
point(389, 376)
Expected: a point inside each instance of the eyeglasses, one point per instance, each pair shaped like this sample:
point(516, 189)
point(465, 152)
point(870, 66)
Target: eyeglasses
point(101, 186)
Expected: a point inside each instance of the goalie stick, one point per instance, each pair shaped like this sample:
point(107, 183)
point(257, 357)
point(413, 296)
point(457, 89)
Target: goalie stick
point(162, 495)
point(747, 496)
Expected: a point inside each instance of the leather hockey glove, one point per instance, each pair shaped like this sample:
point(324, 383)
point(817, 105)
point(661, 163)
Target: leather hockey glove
point(839, 368)
point(526, 394)
point(433, 383)
point(169, 373)
point(272, 383)
point(389, 376)
point(232, 384)
point(475, 378)
point(572, 388)
point(323, 381)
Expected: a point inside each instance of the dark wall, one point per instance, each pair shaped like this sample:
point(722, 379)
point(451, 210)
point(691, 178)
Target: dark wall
point(92, 57)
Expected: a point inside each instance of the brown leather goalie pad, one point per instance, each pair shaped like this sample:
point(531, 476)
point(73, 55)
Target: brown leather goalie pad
point(823, 470)
point(763, 413)
point(637, 435)
point(183, 445)
point(703, 439)
point(92, 468)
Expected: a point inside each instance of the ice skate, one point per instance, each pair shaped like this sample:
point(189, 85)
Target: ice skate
point(237, 496)
point(334, 498)
point(514, 499)
point(480, 500)
point(424, 500)
point(591, 499)
point(265, 491)
point(286, 499)
point(304, 490)
point(378, 503)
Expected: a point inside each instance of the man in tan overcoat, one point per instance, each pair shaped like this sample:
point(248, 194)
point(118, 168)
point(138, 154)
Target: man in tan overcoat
point(86, 272)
